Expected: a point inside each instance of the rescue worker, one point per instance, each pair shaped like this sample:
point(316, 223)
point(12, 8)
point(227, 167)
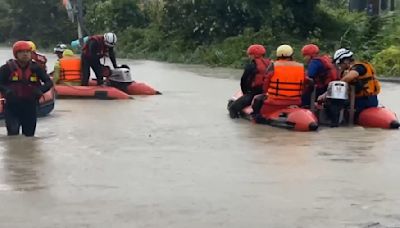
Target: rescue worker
point(284, 84)
point(23, 82)
point(38, 57)
point(362, 76)
point(59, 49)
point(68, 69)
point(287, 78)
point(252, 80)
point(320, 70)
point(97, 47)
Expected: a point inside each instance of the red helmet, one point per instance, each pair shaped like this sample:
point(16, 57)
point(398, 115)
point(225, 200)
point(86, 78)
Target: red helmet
point(310, 50)
point(256, 49)
point(21, 46)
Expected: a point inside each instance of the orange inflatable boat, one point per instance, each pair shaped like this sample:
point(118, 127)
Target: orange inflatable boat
point(121, 79)
point(140, 88)
point(46, 104)
point(301, 119)
point(131, 88)
point(292, 117)
point(378, 117)
point(375, 117)
point(98, 92)
point(119, 86)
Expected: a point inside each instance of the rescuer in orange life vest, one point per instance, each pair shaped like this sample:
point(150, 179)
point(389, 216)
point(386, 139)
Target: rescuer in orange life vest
point(23, 82)
point(361, 75)
point(252, 80)
point(284, 84)
point(68, 69)
point(320, 70)
point(97, 47)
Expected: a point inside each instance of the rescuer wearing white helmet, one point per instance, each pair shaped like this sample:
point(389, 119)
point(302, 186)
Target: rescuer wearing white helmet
point(97, 47)
point(59, 49)
point(362, 75)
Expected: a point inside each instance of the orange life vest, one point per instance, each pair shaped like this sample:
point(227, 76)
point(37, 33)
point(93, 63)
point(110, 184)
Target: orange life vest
point(261, 65)
point(328, 74)
point(22, 81)
point(70, 69)
point(287, 80)
point(367, 84)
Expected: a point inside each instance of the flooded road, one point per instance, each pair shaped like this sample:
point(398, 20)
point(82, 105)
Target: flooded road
point(177, 160)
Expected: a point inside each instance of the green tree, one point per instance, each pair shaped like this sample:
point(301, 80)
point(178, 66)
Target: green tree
point(5, 22)
point(45, 22)
point(297, 16)
point(207, 21)
point(114, 15)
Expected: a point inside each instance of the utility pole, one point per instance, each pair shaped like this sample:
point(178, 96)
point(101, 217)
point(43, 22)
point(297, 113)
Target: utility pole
point(80, 21)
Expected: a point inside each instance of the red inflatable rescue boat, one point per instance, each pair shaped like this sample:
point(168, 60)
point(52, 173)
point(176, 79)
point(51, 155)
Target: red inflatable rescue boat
point(378, 117)
point(99, 92)
point(119, 86)
point(131, 88)
point(336, 106)
point(338, 93)
point(121, 78)
point(284, 116)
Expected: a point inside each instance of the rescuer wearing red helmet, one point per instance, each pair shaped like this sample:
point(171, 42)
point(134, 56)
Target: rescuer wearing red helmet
point(253, 79)
point(22, 82)
point(320, 70)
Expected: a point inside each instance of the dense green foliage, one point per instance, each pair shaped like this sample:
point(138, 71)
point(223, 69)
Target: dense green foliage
point(215, 32)
point(41, 21)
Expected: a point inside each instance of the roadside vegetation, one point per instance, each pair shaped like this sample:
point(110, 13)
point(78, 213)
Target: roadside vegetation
point(213, 32)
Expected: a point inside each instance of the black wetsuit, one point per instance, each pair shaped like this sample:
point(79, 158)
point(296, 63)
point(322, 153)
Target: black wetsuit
point(91, 59)
point(21, 111)
point(248, 90)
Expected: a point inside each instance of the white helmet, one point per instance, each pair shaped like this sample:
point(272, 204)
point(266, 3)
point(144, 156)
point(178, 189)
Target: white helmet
point(341, 54)
point(284, 51)
point(60, 48)
point(110, 39)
